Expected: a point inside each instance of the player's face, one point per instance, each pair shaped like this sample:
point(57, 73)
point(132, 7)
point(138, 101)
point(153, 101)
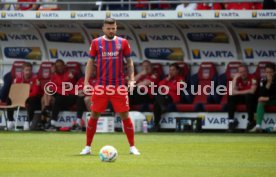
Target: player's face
point(243, 72)
point(269, 73)
point(110, 30)
point(27, 72)
point(173, 71)
point(59, 67)
point(147, 67)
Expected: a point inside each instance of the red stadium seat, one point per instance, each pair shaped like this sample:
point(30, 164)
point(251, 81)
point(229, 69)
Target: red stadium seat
point(208, 6)
point(44, 72)
point(17, 68)
point(239, 6)
point(185, 70)
point(75, 68)
point(159, 69)
point(206, 74)
point(231, 70)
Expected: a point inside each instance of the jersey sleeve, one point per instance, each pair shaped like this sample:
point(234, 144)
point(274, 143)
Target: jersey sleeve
point(93, 50)
point(126, 49)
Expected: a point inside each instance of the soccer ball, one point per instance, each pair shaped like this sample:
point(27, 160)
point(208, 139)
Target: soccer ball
point(108, 154)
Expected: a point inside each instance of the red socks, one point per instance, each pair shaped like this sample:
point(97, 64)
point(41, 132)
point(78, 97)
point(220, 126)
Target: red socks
point(129, 130)
point(92, 127)
point(91, 130)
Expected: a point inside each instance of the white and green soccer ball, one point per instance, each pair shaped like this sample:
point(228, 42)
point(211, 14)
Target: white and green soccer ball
point(108, 154)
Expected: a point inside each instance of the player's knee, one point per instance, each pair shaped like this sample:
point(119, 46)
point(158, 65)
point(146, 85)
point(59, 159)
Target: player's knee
point(95, 115)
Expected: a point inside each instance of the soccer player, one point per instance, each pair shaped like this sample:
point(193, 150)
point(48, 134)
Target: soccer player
point(108, 52)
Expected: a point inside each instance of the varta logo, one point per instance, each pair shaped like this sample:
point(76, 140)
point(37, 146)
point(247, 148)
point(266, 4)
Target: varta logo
point(29, 37)
point(143, 37)
point(151, 26)
point(164, 38)
point(265, 53)
point(198, 54)
point(73, 54)
point(244, 36)
point(156, 14)
point(117, 15)
point(229, 14)
point(12, 14)
point(205, 25)
point(3, 36)
point(192, 14)
point(248, 53)
point(53, 53)
point(266, 14)
point(263, 36)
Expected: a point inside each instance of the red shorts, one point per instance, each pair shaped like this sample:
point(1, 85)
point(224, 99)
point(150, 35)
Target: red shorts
point(119, 101)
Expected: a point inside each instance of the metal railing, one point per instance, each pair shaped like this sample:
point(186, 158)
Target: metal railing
point(128, 3)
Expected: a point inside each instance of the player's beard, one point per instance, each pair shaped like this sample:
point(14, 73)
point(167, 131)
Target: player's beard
point(110, 37)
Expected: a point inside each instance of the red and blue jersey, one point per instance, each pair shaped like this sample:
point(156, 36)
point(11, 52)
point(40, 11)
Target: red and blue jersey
point(109, 57)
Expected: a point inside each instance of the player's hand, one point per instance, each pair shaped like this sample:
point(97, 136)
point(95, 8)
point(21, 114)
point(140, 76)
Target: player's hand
point(237, 75)
point(263, 99)
point(71, 76)
point(131, 85)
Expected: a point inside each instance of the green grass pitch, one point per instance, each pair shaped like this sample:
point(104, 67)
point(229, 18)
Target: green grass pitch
point(37, 154)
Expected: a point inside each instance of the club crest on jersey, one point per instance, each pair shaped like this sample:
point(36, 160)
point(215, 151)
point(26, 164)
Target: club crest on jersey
point(118, 46)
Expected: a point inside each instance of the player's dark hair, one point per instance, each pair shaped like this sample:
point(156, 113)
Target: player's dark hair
point(109, 21)
point(27, 64)
point(270, 66)
point(146, 61)
point(59, 61)
point(176, 66)
point(243, 66)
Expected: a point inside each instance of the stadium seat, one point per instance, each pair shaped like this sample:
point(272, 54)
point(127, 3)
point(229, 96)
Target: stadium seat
point(185, 70)
point(159, 69)
point(221, 101)
point(44, 72)
point(75, 68)
point(206, 74)
point(16, 70)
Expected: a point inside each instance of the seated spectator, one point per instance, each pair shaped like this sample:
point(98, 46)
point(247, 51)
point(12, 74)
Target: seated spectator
point(8, 6)
point(269, 4)
point(243, 89)
point(4, 92)
point(267, 95)
point(118, 6)
point(163, 101)
point(140, 6)
point(144, 79)
point(83, 100)
point(161, 6)
point(33, 102)
point(209, 6)
point(186, 6)
point(48, 6)
point(63, 98)
point(27, 6)
point(242, 6)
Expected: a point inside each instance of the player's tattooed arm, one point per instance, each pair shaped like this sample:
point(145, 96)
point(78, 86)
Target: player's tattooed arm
point(88, 71)
point(130, 70)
